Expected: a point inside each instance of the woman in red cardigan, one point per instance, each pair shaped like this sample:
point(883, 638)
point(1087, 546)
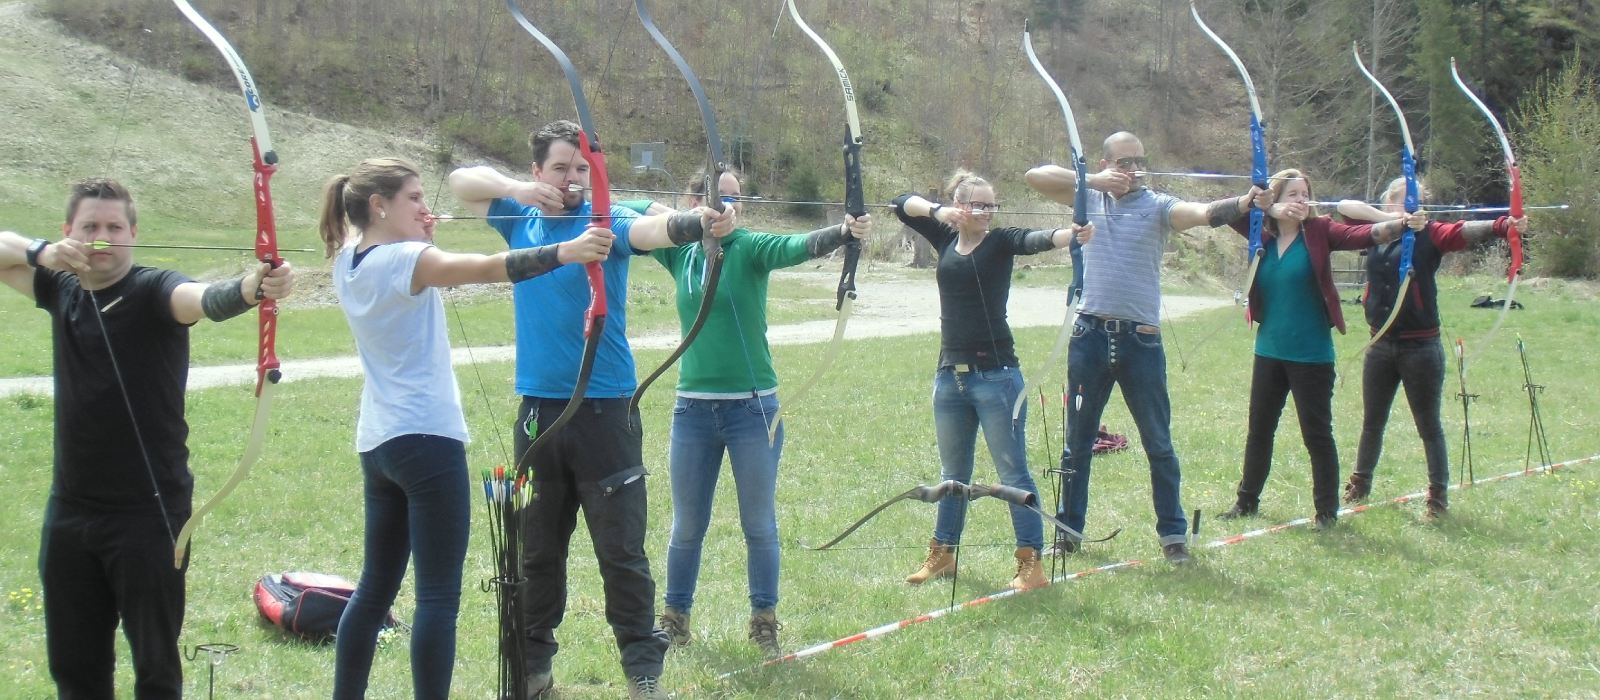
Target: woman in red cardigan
point(1296, 303)
point(1410, 352)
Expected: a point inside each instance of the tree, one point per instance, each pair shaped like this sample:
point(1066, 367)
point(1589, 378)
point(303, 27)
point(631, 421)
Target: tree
point(1560, 156)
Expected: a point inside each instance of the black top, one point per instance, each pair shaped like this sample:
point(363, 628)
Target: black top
point(1419, 318)
point(97, 456)
point(973, 290)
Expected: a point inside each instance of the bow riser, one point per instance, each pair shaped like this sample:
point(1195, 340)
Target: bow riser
point(594, 318)
point(1258, 149)
point(1412, 203)
point(1513, 236)
point(264, 163)
point(1080, 214)
point(600, 210)
point(266, 249)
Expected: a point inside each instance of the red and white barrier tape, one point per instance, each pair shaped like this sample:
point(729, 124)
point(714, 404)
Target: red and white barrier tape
point(1223, 542)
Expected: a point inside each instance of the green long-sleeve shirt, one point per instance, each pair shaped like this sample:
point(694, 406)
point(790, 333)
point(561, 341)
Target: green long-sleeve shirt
point(730, 357)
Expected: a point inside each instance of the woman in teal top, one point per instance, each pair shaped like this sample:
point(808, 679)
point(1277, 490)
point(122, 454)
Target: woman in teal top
point(1296, 303)
point(727, 399)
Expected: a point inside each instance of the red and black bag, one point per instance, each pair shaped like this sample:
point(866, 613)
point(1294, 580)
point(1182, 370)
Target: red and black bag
point(305, 603)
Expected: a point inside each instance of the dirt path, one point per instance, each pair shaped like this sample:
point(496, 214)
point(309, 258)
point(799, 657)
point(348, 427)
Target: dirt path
point(889, 308)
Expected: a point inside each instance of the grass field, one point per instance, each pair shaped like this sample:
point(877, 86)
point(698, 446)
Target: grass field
point(1497, 599)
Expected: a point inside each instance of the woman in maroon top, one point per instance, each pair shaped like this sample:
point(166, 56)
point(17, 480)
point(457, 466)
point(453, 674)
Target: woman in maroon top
point(1295, 301)
point(1410, 352)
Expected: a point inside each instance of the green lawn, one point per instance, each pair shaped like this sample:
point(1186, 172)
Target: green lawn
point(1496, 600)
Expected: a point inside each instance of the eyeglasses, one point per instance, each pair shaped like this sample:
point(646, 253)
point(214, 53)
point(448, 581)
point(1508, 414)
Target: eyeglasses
point(1133, 163)
point(981, 207)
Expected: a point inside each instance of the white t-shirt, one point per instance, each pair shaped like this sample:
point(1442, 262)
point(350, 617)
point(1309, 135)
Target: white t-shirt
point(401, 338)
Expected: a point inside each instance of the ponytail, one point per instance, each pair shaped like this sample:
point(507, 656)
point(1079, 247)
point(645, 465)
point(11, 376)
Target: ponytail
point(346, 198)
point(332, 224)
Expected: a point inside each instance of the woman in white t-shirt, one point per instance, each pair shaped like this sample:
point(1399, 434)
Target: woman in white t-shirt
point(411, 434)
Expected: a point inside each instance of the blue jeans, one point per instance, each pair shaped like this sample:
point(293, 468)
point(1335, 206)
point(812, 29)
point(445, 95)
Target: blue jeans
point(702, 430)
point(963, 402)
point(1098, 359)
point(417, 502)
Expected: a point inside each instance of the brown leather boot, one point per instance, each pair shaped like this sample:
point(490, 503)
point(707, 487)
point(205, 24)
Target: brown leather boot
point(1438, 503)
point(941, 562)
point(1029, 573)
point(1357, 488)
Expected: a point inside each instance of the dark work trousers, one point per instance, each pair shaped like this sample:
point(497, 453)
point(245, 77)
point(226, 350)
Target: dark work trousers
point(595, 464)
point(1311, 383)
point(1419, 366)
point(100, 568)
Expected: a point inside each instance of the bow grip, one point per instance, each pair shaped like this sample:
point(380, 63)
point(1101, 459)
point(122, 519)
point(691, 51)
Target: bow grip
point(1514, 236)
point(1080, 196)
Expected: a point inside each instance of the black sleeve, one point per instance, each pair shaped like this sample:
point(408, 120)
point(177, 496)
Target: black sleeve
point(938, 235)
point(1022, 241)
point(46, 288)
point(156, 287)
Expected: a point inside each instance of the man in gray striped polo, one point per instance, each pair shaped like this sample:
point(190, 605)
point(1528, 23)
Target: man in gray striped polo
point(1117, 339)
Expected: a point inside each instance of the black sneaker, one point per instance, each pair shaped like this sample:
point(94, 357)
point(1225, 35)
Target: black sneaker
point(1239, 510)
point(1176, 553)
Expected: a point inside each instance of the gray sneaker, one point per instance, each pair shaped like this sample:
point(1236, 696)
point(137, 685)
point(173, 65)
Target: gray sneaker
point(764, 628)
point(676, 625)
point(539, 685)
point(645, 688)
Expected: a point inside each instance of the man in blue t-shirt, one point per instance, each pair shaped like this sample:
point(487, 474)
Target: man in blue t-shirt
point(1117, 338)
point(595, 462)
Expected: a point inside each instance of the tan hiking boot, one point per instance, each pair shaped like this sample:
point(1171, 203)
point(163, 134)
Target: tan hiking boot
point(941, 562)
point(676, 625)
point(764, 628)
point(1029, 573)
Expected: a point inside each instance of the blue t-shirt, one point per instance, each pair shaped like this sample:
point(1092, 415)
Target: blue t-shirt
point(550, 307)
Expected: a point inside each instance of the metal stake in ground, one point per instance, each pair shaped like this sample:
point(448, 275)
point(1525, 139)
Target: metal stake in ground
point(1466, 410)
point(216, 653)
point(1535, 421)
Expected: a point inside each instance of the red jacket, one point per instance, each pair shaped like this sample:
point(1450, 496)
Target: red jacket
point(1323, 236)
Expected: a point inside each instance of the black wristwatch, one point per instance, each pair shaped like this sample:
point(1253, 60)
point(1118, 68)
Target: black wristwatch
point(34, 249)
point(933, 211)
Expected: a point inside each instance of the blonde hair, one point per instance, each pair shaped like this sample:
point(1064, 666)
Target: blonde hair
point(345, 199)
point(961, 183)
point(1397, 188)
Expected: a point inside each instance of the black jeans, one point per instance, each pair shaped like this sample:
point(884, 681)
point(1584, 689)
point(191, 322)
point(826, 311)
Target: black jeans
point(596, 463)
point(98, 569)
point(1419, 365)
point(1312, 385)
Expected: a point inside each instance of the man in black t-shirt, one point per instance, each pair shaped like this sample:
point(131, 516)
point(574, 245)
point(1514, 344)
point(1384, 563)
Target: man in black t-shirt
point(121, 485)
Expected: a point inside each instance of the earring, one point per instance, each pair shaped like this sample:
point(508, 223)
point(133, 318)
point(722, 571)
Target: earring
point(383, 215)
